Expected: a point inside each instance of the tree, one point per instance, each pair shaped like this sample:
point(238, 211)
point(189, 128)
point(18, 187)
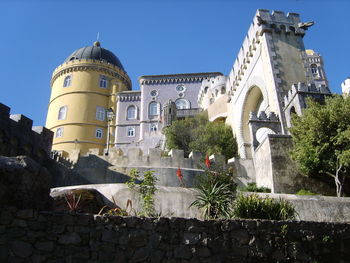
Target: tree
point(321, 138)
point(198, 134)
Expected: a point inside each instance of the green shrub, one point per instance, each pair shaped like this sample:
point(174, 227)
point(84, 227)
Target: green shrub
point(216, 192)
point(251, 187)
point(255, 207)
point(305, 192)
point(146, 188)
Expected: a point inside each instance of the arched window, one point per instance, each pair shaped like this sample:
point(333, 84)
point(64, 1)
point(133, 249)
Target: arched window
point(131, 113)
point(99, 133)
point(62, 113)
point(100, 113)
point(206, 90)
point(130, 132)
point(103, 82)
point(59, 132)
point(153, 127)
point(314, 70)
point(67, 81)
point(182, 104)
point(153, 108)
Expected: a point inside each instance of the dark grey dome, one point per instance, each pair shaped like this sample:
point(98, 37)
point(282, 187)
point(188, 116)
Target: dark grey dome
point(95, 52)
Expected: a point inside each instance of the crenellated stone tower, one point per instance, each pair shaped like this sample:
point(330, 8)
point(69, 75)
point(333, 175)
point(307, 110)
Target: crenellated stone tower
point(271, 60)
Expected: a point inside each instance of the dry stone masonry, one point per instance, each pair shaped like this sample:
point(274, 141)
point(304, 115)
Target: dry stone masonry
point(32, 236)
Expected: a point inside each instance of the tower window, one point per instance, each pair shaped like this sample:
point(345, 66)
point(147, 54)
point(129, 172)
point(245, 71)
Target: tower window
point(98, 133)
point(67, 81)
point(153, 127)
point(103, 82)
point(62, 113)
point(153, 108)
point(131, 113)
point(314, 70)
point(100, 113)
point(131, 132)
point(59, 132)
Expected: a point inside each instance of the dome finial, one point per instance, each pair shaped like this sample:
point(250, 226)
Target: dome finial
point(97, 42)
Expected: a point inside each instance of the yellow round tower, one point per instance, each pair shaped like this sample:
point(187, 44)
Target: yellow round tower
point(83, 90)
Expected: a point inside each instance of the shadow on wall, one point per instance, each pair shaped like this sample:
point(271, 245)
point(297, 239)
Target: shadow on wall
point(99, 169)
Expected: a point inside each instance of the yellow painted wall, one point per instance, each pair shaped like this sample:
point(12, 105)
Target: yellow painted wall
point(82, 98)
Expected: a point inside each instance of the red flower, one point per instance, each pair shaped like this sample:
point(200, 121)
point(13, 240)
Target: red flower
point(207, 161)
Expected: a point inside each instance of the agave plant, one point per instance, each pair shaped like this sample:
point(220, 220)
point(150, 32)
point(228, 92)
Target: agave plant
point(213, 200)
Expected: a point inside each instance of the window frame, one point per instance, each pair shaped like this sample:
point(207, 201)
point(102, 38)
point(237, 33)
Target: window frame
point(314, 70)
point(62, 113)
point(188, 104)
point(153, 110)
point(67, 82)
point(153, 127)
point(130, 132)
point(103, 82)
point(99, 113)
point(97, 132)
point(59, 132)
point(134, 117)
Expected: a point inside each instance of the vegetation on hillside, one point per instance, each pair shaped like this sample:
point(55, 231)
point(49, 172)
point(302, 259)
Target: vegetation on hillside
point(321, 138)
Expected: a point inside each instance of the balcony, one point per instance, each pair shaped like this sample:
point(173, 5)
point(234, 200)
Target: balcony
point(183, 113)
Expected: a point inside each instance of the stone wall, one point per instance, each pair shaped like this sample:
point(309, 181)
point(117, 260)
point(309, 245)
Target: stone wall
point(32, 236)
point(18, 137)
point(275, 169)
point(114, 168)
point(168, 201)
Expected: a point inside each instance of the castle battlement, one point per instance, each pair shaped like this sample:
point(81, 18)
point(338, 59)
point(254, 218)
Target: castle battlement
point(19, 137)
point(129, 96)
point(262, 116)
point(176, 78)
point(305, 89)
point(263, 22)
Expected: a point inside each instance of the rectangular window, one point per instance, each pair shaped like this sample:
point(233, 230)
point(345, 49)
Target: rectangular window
point(100, 113)
point(131, 132)
point(59, 132)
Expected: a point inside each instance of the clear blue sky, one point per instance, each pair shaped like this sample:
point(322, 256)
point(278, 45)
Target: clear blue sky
point(149, 37)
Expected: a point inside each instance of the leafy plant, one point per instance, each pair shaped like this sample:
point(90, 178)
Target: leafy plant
point(72, 201)
point(216, 191)
point(252, 187)
point(305, 192)
point(284, 230)
point(117, 211)
point(146, 189)
point(255, 207)
point(213, 200)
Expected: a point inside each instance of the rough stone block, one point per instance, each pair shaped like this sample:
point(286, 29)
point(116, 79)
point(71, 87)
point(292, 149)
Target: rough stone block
point(21, 249)
point(24, 183)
